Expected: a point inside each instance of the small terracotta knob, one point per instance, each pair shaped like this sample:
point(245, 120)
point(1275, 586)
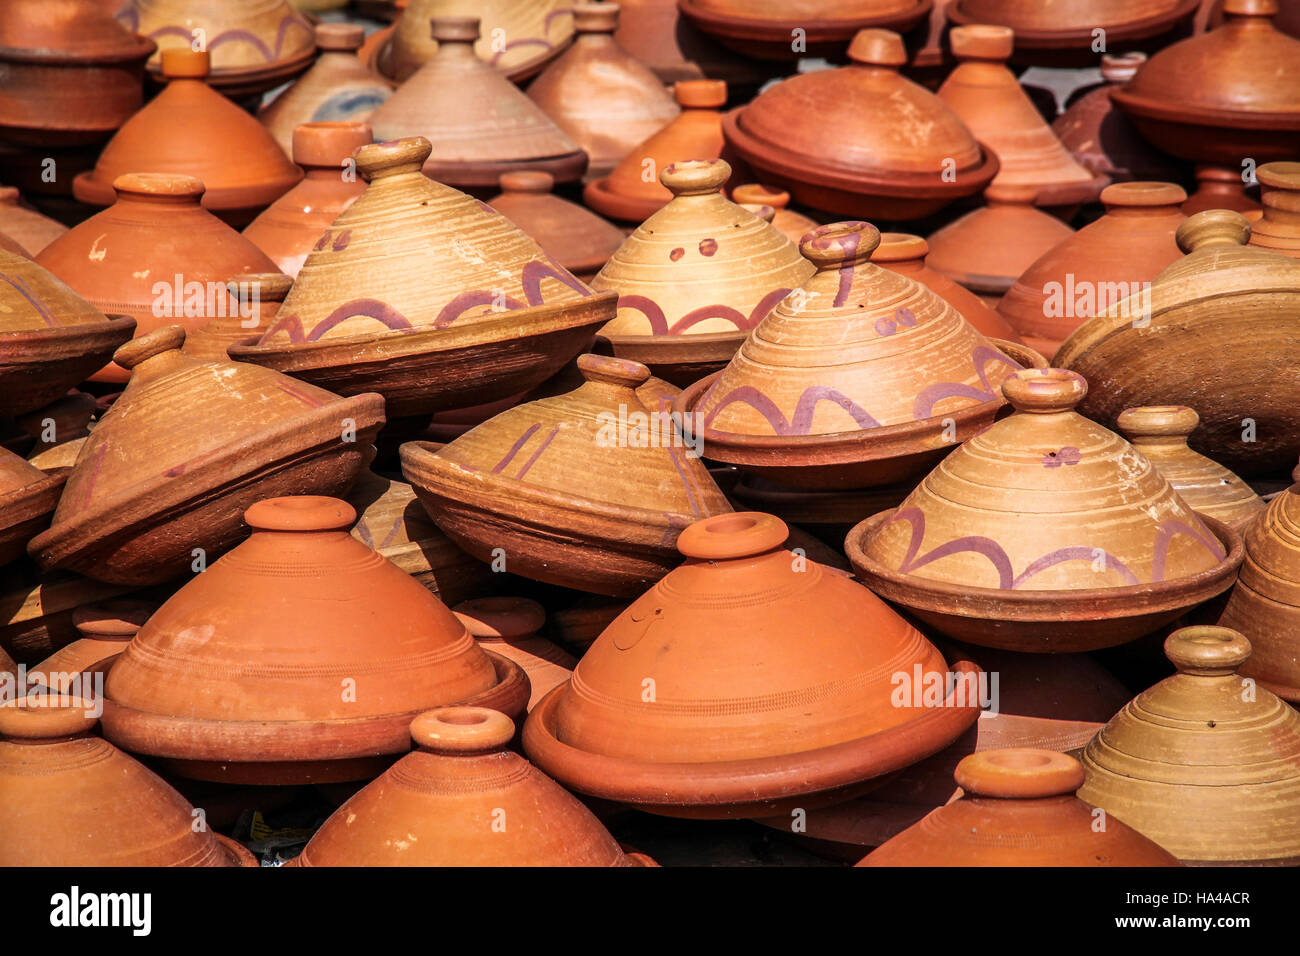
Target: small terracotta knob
point(1250, 8)
point(182, 63)
point(1217, 174)
point(761, 195)
point(167, 338)
point(900, 247)
point(9, 195)
point(744, 534)
point(301, 513)
point(1121, 67)
point(535, 181)
point(1207, 651)
point(695, 177)
point(328, 144)
point(1213, 227)
point(1044, 391)
point(46, 717)
point(159, 187)
point(982, 41)
point(453, 30)
point(612, 371)
point(503, 617)
point(1011, 194)
point(1158, 422)
point(340, 36)
point(118, 619)
point(872, 47)
point(700, 94)
point(267, 286)
point(462, 730)
point(1138, 195)
point(838, 245)
point(380, 160)
point(1280, 186)
point(1019, 773)
point(595, 17)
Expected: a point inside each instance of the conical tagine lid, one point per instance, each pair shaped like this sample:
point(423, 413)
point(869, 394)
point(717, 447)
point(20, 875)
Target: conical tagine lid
point(511, 627)
point(572, 235)
point(27, 227)
point(1206, 762)
point(105, 631)
point(792, 224)
point(461, 798)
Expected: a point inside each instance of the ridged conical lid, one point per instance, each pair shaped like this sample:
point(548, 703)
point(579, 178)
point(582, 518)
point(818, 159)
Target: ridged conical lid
point(242, 34)
point(33, 299)
point(571, 234)
point(66, 32)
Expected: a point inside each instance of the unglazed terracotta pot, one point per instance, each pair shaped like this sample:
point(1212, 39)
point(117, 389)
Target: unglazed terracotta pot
point(694, 702)
point(337, 89)
point(1018, 808)
point(157, 256)
point(50, 337)
point(259, 296)
point(511, 627)
point(1216, 324)
point(861, 377)
point(1160, 433)
point(988, 98)
point(861, 140)
point(27, 227)
point(602, 98)
point(1219, 187)
point(1279, 226)
point(632, 192)
point(654, 33)
point(767, 28)
point(1004, 543)
point(987, 249)
point(586, 490)
point(463, 799)
point(792, 224)
point(1224, 95)
point(72, 75)
point(105, 631)
point(696, 277)
point(71, 799)
point(290, 227)
point(1101, 265)
point(1203, 763)
point(159, 489)
point(256, 44)
point(190, 129)
point(480, 124)
point(28, 497)
point(576, 238)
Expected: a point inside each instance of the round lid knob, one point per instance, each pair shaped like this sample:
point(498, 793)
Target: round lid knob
point(328, 144)
point(1142, 194)
point(700, 94)
point(695, 177)
point(1019, 773)
point(340, 36)
point(462, 730)
point(257, 287)
point(159, 187)
point(982, 41)
point(1207, 651)
point(9, 195)
point(1213, 227)
point(535, 181)
point(1250, 8)
point(166, 338)
point(761, 195)
point(453, 30)
point(900, 247)
point(182, 63)
point(740, 535)
point(1280, 186)
point(872, 47)
point(839, 244)
point(379, 160)
point(501, 616)
point(1011, 194)
point(46, 717)
point(301, 513)
point(1158, 421)
point(608, 370)
point(1121, 67)
point(1217, 174)
point(1044, 390)
point(595, 17)
point(121, 618)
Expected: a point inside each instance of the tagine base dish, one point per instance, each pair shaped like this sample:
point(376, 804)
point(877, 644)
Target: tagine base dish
point(1213, 136)
point(770, 38)
point(680, 360)
point(26, 513)
point(37, 368)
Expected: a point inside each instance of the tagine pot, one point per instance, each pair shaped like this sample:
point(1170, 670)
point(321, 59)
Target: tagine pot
point(106, 629)
point(1278, 228)
point(259, 296)
point(32, 230)
point(511, 627)
point(449, 331)
point(28, 497)
point(1220, 187)
point(696, 277)
point(766, 28)
point(654, 32)
point(1004, 544)
point(1204, 763)
point(190, 129)
point(58, 430)
point(579, 240)
point(159, 489)
point(861, 377)
point(41, 606)
point(583, 490)
point(792, 224)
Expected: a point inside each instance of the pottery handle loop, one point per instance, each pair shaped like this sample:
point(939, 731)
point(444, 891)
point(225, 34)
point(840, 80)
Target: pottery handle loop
point(1213, 227)
point(1158, 421)
point(378, 160)
point(119, 619)
point(695, 177)
point(462, 730)
point(183, 63)
point(1019, 773)
point(1121, 67)
point(982, 41)
point(47, 717)
point(504, 617)
point(700, 94)
point(267, 286)
point(340, 36)
point(1250, 8)
point(301, 513)
point(455, 29)
point(1207, 651)
point(1280, 186)
point(874, 47)
point(595, 17)
point(1044, 390)
point(612, 371)
point(167, 338)
point(839, 245)
point(536, 181)
point(743, 534)
point(1140, 195)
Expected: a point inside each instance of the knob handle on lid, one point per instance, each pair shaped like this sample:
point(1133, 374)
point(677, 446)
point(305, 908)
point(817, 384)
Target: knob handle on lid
point(462, 730)
point(900, 247)
point(1207, 651)
point(982, 41)
point(612, 371)
point(47, 717)
point(455, 29)
point(501, 616)
point(873, 47)
point(1142, 194)
point(121, 618)
point(301, 513)
point(167, 338)
point(378, 160)
point(700, 94)
point(595, 17)
point(1019, 773)
point(340, 36)
point(1044, 390)
point(744, 534)
point(183, 63)
point(536, 181)
point(328, 144)
point(839, 244)
point(165, 187)
point(695, 177)
point(1158, 421)
point(1213, 227)
point(761, 195)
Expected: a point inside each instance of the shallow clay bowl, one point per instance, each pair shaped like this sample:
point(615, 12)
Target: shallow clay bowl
point(770, 37)
point(38, 366)
point(26, 512)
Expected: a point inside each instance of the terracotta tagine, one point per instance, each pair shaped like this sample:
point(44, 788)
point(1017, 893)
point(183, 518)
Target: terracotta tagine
point(1003, 544)
point(40, 608)
point(696, 277)
point(51, 339)
point(1221, 320)
point(861, 140)
point(159, 490)
point(337, 89)
point(428, 297)
point(259, 296)
point(105, 631)
point(190, 129)
point(602, 98)
point(579, 240)
point(290, 227)
point(649, 720)
point(632, 192)
point(768, 29)
point(68, 798)
point(317, 654)
point(1224, 95)
point(1101, 265)
point(1279, 226)
point(1219, 187)
point(584, 490)
point(32, 230)
point(792, 224)
point(461, 798)
point(861, 377)
point(72, 75)
point(28, 497)
point(511, 627)
point(155, 255)
point(1160, 433)
point(1018, 808)
point(1205, 763)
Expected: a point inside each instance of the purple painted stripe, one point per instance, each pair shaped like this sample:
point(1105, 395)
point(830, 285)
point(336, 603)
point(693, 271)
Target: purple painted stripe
point(1075, 553)
point(537, 454)
point(514, 449)
point(458, 306)
point(1165, 535)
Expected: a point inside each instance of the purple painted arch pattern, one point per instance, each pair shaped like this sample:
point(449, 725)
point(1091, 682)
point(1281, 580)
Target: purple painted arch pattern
point(131, 18)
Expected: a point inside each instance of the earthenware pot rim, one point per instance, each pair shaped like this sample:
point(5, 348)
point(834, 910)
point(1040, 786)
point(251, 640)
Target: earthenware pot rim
point(142, 48)
point(1128, 31)
point(564, 167)
point(221, 78)
point(31, 501)
point(618, 206)
point(17, 339)
point(818, 30)
point(1203, 116)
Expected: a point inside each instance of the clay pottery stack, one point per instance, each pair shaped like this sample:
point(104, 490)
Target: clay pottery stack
point(1101, 265)
point(766, 28)
point(695, 702)
point(1279, 226)
point(1004, 544)
point(259, 296)
point(28, 497)
point(653, 32)
point(39, 609)
point(68, 798)
point(1203, 763)
point(479, 123)
point(1219, 187)
point(603, 99)
point(696, 277)
point(256, 45)
point(906, 254)
point(32, 230)
point(632, 192)
point(861, 377)
point(290, 227)
point(585, 490)
point(792, 224)
point(72, 75)
point(511, 627)
point(156, 255)
point(317, 654)
point(428, 297)
point(105, 631)
point(461, 798)
point(161, 482)
point(1160, 433)
point(579, 240)
point(988, 98)
point(987, 249)
point(190, 129)
point(1224, 95)
point(50, 337)
point(1018, 808)
point(1215, 325)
